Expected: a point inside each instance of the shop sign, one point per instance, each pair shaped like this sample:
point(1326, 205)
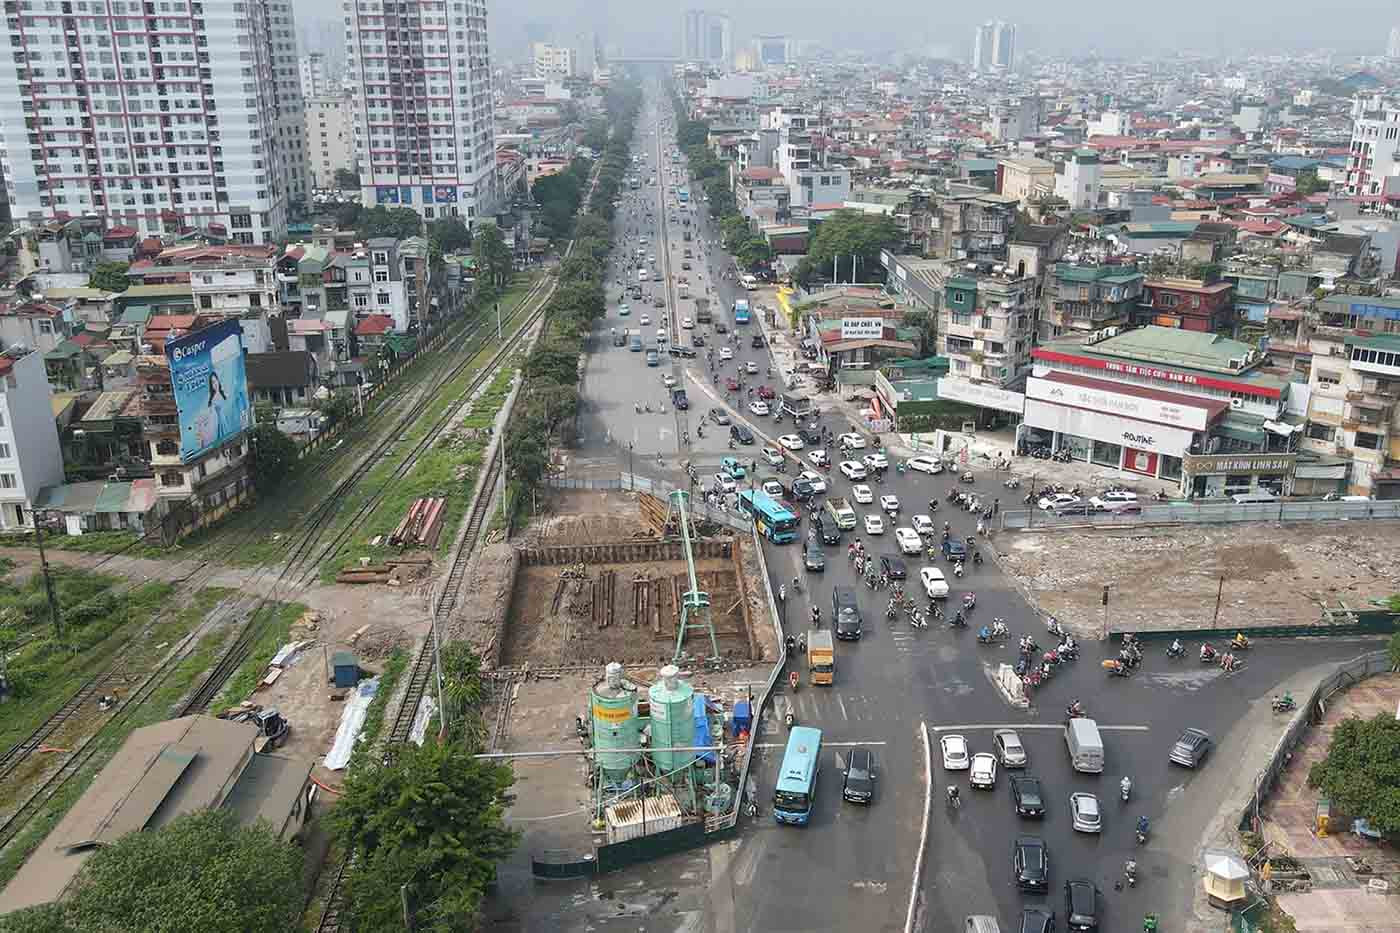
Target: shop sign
point(1129, 406)
point(1110, 429)
point(1154, 373)
point(983, 396)
point(862, 328)
point(1239, 464)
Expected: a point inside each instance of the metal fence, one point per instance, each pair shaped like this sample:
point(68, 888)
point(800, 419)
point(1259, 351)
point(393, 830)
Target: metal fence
point(634, 482)
point(1346, 674)
point(1206, 513)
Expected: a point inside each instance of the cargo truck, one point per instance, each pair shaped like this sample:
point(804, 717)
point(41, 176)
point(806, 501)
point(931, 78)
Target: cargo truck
point(702, 311)
point(799, 406)
point(842, 512)
point(821, 657)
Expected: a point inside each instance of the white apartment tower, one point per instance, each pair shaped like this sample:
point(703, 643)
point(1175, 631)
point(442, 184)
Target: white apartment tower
point(1004, 46)
point(1392, 48)
point(1373, 165)
point(554, 61)
point(160, 117)
point(424, 134)
point(982, 43)
point(315, 82)
point(290, 143)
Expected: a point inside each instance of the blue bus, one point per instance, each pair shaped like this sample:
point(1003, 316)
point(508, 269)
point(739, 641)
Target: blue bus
point(774, 521)
point(683, 196)
point(797, 781)
point(741, 311)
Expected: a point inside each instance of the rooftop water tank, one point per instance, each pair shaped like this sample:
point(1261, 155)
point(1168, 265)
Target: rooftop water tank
point(613, 702)
point(672, 720)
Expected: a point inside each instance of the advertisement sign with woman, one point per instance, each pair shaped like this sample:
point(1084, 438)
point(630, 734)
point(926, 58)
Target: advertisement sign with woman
point(211, 387)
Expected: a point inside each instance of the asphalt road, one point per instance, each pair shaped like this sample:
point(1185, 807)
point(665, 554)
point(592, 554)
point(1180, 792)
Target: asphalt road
point(851, 868)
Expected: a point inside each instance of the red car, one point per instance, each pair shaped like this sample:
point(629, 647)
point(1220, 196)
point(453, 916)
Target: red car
point(766, 393)
point(731, 384)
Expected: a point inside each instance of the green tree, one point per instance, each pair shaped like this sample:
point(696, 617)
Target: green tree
point(347, 179)
point(110, 276)
point(1361, 773)
point(399, 223)
point(274, 455)
point(1309, 183)
point(493, 256)
point(431, 816)
point(850, 233)
point(204, 871)
point(338, 408)
point(753, 252)
point(448, 235)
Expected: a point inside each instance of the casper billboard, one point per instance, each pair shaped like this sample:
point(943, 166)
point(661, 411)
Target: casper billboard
point(211, 387)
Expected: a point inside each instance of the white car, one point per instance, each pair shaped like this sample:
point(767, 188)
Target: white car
point(909, 543)
point(852, 441)
point(687, 323)
point(819, 457)
point(668, 380)
point(983, 773)
point(751, 368)
point(771, 456)
point(890, 503)
point(862, 494)
point(955, 756)
point(724, 482)
point(1084, 808)
point(925, 464)
point(645, 320)
point(661, 335)
point(792, 442)
point(1057, 500)
point(924, 525)
point(852, 470)
point(935, 584)
point(759, 407)
point(1113, 499)
point(875, 461)
point(874, 525)
point(725, 354)
point(816, 479)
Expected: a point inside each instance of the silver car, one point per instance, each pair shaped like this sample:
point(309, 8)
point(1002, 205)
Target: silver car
point(1009, 748)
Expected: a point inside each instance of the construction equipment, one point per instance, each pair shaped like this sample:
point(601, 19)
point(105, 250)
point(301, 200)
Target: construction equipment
point(694, 602)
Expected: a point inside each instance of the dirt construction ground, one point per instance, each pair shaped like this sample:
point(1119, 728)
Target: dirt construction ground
point(1164, 578)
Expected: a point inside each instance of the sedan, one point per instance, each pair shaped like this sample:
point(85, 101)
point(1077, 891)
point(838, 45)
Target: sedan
point(909, 543)
point(925, 464)
point(853, 470)
point(719, 416)
point(766, 392)
point(890, 503)
point(874, 525)
point(983, 774)
point(935, 584)
point(893, 567)
point(724, 483)
point(731, 383)
point(923, 525)
point(758, 407)
point(1026, 796)
point(816, 481)
point(862, 494)
point(751, 368)
point(1036, 920)
point(644, 320)
point(1009, 748)
point(772, 456)
point(875, 461)
point(1081, 904)
point(741, 434)
point(687, 323)
point(1057, 500)
point(1085, 810)
point(791, 442)
point(851, 441)
point(859, 783)
point(1031, 863)
point(955, 757)
point(623, 310)
point(725, 353)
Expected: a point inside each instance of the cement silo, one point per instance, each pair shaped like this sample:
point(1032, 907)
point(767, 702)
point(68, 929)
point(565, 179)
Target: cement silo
point(616, 728)
point(672, 720)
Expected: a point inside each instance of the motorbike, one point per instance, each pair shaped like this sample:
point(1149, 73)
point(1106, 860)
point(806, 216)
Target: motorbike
point(1012, 483)
point(1125, 788)
point(967, 477)
point(1116, 668)
point(1130, 873)
point(958, 620)
point(1207, 653)
point(1284, 704)
point(900, 467)
point(1142, 830)
point(1068, 650)
point(958, 570)
point(1053, 626)
point(969, 600)
point(1176, 650)
point(977, 557)
point(988, 635)
point(1074, 711)
point(1230, 664)
point(1239, 643)
point(789, 719)
point(793, 681)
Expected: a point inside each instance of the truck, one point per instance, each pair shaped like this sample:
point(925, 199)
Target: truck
point(679, 400)
point(842, 512)
point(821, 657)
point(799, 406)
point(683, 290)
point(702, 311)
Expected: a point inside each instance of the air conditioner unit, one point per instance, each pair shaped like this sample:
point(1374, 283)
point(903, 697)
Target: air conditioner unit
point(1237, 403)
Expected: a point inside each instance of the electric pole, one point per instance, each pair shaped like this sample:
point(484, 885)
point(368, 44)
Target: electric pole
point(48, 580)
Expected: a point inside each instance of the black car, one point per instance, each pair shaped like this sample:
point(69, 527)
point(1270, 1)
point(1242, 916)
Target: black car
point(721, 327)
point(719, 416)
point(828, 531)
point(954, 551)
point(756, 341)
point(1031, 863)
point(859, 785)
point(1081, 904)
point(1026, 796)
point(845, 613)
point(893, 567)
point(810, 435)
point(741, 434)
point(802, 490)
point(812, 557)
point(697, 340)
point(1037, 920)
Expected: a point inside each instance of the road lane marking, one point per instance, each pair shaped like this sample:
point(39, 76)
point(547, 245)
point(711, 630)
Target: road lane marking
point(1030, 725)
point(842, 704)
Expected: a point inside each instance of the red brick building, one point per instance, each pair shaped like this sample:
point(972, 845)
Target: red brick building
point(1188, 304)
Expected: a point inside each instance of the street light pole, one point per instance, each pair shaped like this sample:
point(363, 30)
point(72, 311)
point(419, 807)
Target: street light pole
point(48, 580)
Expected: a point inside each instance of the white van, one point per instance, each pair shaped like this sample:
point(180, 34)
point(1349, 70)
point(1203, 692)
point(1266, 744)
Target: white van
point(1248, 498)
point(1085, 746)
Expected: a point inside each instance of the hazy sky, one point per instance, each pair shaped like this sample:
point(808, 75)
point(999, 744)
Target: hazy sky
point(1118, 27)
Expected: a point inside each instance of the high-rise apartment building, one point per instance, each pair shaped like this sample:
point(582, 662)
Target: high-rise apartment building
point(161, 122)
point(314, 80)
point(707, 36)
point(330, 138)
point(982, 43)
point(289, 147)
point(554, 61)
point(424, 133)
point(1004, 46)
point(1392, 48)
point(1373, 165)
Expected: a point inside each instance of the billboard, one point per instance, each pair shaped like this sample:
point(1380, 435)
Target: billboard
point(210, 386)
point(862, 328)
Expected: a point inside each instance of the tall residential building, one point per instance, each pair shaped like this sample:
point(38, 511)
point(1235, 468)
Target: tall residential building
point(1392, 48)
point(424, 133)
point(1004, 46)
point(554, 61)
point(330, 138)
point(289, 146)
point(692, 28)
point(1373, 166)
point(160, 123)
point(982, 43)
point(707, 36)
point(314, 80)
point(30, 458)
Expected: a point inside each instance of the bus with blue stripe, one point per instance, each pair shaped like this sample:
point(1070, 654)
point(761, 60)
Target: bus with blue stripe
point(741, 311)
point(775, 522)
point(797, 780)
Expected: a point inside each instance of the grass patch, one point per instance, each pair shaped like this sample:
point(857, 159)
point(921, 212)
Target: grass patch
point(378, 707)
point(273, 637)
point(94, 542)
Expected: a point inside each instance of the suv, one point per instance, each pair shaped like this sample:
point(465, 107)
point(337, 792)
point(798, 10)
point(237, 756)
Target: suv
point(828, 531)
point(812, 557)
point(1081, 904)
point(1026, 796)
point(954, 551)
point(741, 434)
point(859, 784)
point(1191, 748)
point(845, 613)
point(810, 435)
point(1036, 920)
point(1031, 864)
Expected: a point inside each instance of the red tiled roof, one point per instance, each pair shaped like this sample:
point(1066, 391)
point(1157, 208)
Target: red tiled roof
point(119, 233)
point(760, 173)
point(374, 325)
point(171, 322)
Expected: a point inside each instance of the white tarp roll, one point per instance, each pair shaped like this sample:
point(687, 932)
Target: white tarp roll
point(352, 720)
